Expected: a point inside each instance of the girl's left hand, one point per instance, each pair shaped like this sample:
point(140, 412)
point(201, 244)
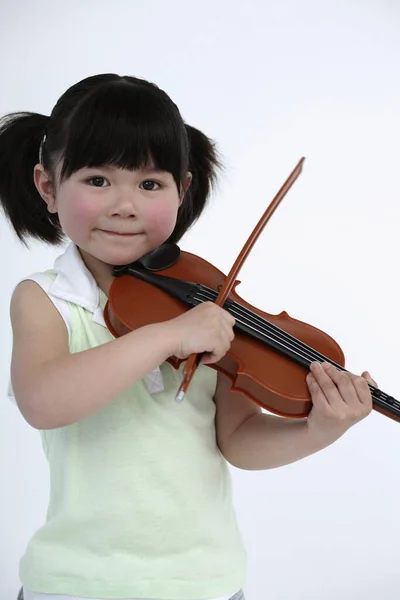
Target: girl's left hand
point(340, 400)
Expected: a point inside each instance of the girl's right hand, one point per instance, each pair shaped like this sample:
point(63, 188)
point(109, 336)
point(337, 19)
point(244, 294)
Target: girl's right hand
point(206, 328)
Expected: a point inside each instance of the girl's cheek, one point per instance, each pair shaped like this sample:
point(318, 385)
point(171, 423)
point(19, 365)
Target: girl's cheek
point(87, 212)
point(78, 214)
point(161, 219)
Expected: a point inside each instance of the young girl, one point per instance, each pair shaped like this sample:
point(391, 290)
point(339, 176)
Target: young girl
point(140, 491)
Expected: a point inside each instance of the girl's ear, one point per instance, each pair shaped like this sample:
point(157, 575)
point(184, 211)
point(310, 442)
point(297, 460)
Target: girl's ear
point(185, 186)
point(45, 187)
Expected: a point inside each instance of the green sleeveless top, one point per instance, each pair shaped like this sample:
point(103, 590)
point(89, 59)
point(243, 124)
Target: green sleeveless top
point(140, 495)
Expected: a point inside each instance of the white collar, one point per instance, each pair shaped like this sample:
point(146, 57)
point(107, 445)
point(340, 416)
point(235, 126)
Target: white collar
point(75, 283)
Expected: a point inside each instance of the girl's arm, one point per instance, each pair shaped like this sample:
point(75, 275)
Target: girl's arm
point(252, 440)
point(54, 388)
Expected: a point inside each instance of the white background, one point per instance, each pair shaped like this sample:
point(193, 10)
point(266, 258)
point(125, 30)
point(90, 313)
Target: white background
point(270, 82)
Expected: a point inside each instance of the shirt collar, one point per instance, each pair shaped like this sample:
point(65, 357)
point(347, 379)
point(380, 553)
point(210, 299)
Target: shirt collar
point(75, 283)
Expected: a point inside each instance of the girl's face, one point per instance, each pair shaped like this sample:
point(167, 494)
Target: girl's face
point(114, 215)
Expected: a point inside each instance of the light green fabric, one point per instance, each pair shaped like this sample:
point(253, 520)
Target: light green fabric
point(140, 503)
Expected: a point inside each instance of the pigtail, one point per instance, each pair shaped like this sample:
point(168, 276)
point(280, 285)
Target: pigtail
point(204, 164)
point(21, 135)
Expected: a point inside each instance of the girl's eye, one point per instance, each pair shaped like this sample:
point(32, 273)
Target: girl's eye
point(149, 185)
point(97, 181)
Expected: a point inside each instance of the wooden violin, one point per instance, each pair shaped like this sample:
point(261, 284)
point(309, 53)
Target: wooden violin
point(270, 355)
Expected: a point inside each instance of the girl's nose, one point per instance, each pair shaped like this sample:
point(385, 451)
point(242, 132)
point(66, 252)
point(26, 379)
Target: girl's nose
point(124, 206)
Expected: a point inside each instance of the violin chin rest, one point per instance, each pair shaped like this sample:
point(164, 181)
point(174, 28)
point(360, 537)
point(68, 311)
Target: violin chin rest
point(160, 258)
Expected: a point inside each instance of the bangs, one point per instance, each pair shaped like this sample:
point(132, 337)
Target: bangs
point(127, 126)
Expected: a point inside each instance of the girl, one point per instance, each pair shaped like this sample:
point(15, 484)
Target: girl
point(141, 501)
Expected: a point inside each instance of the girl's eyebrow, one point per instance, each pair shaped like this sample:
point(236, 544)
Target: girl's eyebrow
point(154, 170)
point(150, 170)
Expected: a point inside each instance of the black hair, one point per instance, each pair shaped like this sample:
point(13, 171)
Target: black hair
point(104, 120)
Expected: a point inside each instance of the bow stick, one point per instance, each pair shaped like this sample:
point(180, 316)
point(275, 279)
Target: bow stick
point(194, 359)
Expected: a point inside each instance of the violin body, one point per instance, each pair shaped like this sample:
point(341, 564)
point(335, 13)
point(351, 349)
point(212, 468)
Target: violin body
point(272, 380)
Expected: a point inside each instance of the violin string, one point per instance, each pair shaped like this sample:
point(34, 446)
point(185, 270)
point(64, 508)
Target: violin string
point(264, 327)
point(244, 316)
point(271, 331)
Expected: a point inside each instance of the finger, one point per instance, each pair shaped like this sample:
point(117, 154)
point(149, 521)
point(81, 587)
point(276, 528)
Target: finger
point(319, 400)
point(363, 391)
point(344, 382)
point(353, 389)
point(215, 352)
point(327, 386)
point(368, 377)
point(223, 344)
point(214, 356)
point(228, 332)
point(229, 318)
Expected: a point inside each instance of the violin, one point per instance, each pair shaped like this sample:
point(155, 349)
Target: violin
point(270, 355)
